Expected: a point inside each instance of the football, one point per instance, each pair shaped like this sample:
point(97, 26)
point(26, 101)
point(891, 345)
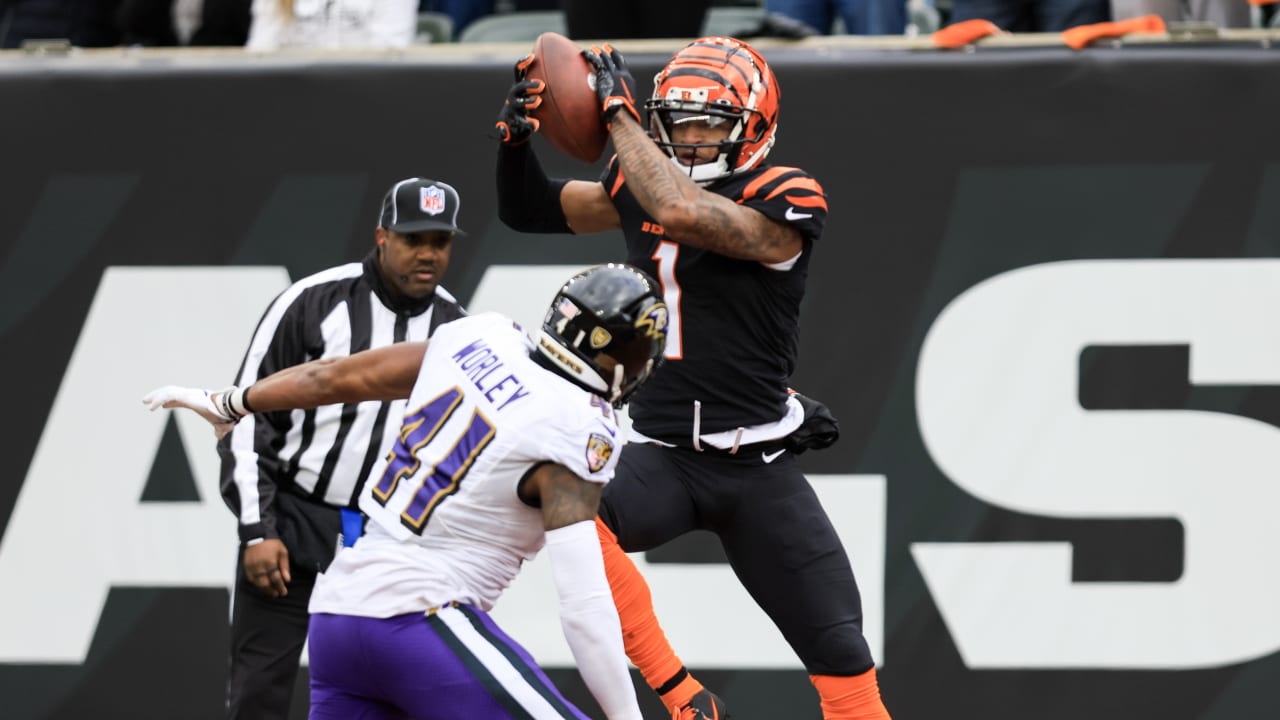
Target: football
point(569, 116)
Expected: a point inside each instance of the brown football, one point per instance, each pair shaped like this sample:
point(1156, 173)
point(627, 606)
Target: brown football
point(569, 116)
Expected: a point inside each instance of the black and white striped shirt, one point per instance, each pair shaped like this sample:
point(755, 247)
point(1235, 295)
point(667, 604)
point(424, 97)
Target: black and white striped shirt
point(282, 470)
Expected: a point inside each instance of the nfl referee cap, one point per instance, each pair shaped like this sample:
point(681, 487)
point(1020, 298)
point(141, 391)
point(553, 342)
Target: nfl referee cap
point(418, 204)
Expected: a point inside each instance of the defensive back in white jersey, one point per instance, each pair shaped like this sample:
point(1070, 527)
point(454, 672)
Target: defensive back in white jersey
point(445, 521)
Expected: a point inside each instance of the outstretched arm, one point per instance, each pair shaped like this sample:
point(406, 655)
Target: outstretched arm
point(385, 373)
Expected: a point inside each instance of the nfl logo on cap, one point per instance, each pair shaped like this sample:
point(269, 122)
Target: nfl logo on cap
point(432, 199)
point(420, 205)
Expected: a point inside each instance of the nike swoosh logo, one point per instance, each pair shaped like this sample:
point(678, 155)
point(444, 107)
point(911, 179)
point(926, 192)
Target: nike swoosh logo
point(770, 457)
point(793, 215)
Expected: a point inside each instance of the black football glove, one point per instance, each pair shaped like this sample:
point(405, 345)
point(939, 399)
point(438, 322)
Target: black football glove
point(706, 705)
point(615, 86)
point(514, 123)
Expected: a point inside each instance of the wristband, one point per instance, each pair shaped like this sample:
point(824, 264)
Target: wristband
point(231, 404)
point(240, 401)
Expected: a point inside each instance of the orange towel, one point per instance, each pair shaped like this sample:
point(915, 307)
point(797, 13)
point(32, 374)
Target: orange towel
point(965, 33)
point(1080, 36)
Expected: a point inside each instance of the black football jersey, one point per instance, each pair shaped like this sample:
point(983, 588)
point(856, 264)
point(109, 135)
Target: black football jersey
point(733, 335)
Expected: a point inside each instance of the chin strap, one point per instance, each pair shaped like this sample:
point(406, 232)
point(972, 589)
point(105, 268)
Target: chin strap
point(615, 389)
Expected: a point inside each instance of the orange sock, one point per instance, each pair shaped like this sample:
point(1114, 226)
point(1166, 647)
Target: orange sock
point(645, 642)
point(854, 697)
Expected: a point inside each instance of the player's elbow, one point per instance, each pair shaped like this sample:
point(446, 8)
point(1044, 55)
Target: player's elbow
point(323, 381)
point(513, 216)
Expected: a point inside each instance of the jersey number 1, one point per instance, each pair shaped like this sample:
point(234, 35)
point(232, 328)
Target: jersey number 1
point(667, 254)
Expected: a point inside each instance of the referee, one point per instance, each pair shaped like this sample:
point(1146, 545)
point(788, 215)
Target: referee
point(293, 478)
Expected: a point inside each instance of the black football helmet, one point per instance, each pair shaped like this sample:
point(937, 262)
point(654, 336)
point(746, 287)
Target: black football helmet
point(606, 330)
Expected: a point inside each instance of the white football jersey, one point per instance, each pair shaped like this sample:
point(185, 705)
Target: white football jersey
point(445, 522)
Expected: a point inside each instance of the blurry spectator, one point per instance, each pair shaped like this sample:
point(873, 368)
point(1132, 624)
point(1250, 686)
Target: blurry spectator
point(332, 23)
point(1223, 13)
point(222, 23)
point(465, 12)
point(861, 17)
point(605, 20)
point(86, 23)
point(186, 18)
point(1033, 15)
point(1265, 13)
point(147, 22)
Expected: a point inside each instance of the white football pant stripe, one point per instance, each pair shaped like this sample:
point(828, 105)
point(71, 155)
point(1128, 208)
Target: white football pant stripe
point(507, 674)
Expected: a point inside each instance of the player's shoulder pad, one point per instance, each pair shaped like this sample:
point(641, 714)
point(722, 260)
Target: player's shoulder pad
point(593, 439)
point(488, 318)
point(787, 195)
point(798, 187)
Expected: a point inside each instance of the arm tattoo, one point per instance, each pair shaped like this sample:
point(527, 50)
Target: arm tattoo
point(567, 499)
point(714, 223)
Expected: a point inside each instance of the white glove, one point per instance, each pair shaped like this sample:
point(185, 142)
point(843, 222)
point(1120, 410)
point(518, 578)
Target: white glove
point(211, 406)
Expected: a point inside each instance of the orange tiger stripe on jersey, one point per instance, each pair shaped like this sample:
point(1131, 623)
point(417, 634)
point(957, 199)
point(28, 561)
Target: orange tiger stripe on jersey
point(765, 178)
point(617, 184)
point(808, 201)
point(795, 183)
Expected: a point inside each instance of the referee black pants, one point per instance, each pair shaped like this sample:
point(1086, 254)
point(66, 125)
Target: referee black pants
point(267, 635)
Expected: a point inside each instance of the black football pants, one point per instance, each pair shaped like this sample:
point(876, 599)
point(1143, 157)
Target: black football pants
point(778, 539)
point(266, 642)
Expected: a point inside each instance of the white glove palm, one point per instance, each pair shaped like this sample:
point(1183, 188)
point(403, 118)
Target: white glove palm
point(201, 401)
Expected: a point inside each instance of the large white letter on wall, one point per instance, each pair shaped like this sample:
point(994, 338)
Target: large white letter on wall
point(78, 527)
point(997, 401)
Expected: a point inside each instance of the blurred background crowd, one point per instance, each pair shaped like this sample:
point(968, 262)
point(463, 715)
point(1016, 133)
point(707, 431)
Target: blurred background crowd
point(273, 24)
